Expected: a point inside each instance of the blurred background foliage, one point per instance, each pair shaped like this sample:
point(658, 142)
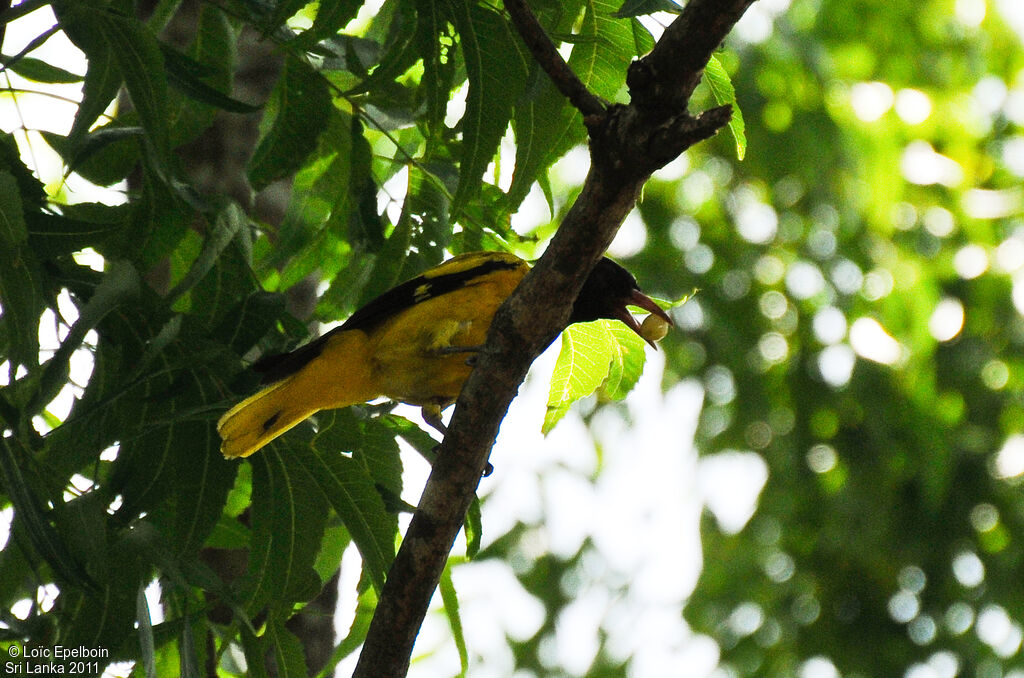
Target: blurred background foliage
point(857, 334)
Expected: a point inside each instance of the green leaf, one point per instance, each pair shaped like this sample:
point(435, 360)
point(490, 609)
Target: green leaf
point(301, 106)
point(357, 631)
point(30, 189)
point(104, 156)
point(119, 284)
point(432, 19)
point(37, 70)
point(451, 611)
point(286, 650)
point(631, 8)
point(83, 225)
point(474, 529)
point(546, 126)
point(21, 280)
point(103, 77)
point(582, 365)
point(228, 222)
point(185, 74)
point(288, 519)
point(350, 489)
point(336, 540)
point(496, 66)
point(627, 361)
point(28, 510)
point(724, 93)
point(604, 354)
point(140, 61)
point(331, 17)
point(146, 643)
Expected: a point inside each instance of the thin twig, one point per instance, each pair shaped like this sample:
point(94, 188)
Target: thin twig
point(551, 61)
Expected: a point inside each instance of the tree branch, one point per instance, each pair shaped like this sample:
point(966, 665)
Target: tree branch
point(628, 143)
point(547, 56)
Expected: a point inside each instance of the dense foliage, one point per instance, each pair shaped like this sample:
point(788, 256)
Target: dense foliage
point(858, 325)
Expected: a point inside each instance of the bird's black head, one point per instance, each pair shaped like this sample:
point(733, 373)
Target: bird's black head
point(605, 294)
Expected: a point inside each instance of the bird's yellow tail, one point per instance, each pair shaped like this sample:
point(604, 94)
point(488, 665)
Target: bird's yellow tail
point(336, 376)
point(260, 418)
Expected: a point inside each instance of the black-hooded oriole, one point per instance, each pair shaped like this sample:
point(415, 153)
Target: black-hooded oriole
point(410, 344)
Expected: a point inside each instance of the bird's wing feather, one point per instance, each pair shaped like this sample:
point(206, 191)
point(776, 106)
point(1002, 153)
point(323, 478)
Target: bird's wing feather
point(452, 275)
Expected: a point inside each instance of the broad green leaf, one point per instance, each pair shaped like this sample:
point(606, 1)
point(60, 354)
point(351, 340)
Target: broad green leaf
point(301, 107)
point(451, 611)
point(285, 649)
point(336, 540)
point(82, 524)
point(582, 366)
point(244, 324)
point(628, 354)
point(642, 38)
point(13, 232)
point(30, 190)
point(724, 93)
point(496, 66)
point(107, 617)
point(288, 519)
point(38, 70)
point(604, 354)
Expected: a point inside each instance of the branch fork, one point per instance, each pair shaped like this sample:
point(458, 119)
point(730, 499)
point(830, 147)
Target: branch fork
point(628, 143)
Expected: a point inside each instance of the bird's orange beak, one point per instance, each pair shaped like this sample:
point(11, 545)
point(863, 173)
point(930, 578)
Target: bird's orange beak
point(638, 298)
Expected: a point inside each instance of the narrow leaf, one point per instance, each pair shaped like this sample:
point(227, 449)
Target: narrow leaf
point(631, 8)
point(37, 70)
point(146, 643)
point(28, 509)
point(21, 280)
point(138, 55)
point(496, 66)
point(185, 74)
point(724, 93)
point(451, 611)
point(288, 519)
point(302, 105)
point(286, 650)
point(349, 488)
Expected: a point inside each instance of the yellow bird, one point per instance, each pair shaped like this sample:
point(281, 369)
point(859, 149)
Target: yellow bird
point(410, 344)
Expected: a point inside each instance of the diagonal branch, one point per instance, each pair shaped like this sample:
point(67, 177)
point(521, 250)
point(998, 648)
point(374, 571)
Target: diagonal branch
point(628, 143)
point(551, 61)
